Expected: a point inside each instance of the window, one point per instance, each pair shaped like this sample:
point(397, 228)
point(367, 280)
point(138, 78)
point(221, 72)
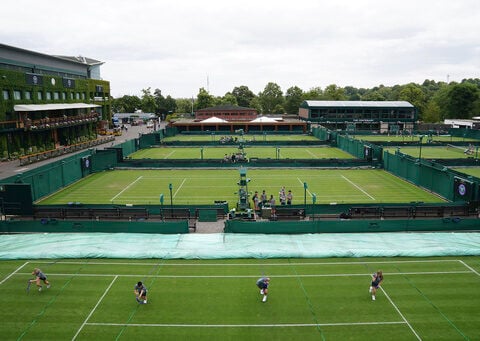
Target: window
point(17, 94)
point(48, 96)
point(77, 95)
point(39, 95)
point(28, 95)
point(83, 96)
point(64, 95)
point(6, 95)
point(56, 95)
point(72, 95)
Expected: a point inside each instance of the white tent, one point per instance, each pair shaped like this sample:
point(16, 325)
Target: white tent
point(264, 119)
point(213, 119)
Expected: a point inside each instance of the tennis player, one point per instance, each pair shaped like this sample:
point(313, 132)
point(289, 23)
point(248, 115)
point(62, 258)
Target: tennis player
point(39, 276)
point(140, 293)
point(262, 284)
point(377, 279)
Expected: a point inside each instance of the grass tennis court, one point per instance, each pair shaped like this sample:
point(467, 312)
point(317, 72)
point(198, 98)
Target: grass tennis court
point(443, 152)
point(204, 186)
point(251, 152)
point(309, 299)
point(474, 171)
point(249, 137)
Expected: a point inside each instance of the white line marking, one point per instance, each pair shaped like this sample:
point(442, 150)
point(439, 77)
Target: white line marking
point(360, 189)
point(309, 152)
point(244, 325)
point(179, 187)
point(469, 267)
point(123, 190)
point(256, 264)
point(400, 313)
point(309, 193)
point(254, 276)
point(170, 154)
point(94, 308)
point(13, 273)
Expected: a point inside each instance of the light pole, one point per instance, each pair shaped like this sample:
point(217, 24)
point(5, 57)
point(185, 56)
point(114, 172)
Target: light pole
point(420, 153)
point(314, 200)
point(170, 187)
point(161, 205)
point(305, 187)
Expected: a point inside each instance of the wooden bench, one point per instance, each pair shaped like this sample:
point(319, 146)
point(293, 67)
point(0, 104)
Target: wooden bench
point(175, 213)
point(288, 213)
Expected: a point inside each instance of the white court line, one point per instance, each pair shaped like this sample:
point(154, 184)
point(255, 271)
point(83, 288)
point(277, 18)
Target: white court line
point(360, 189)
point(256, 276)
point(309, 152)
point(256, 264)
point(400, 313)
point(179, 187)
point(13, 273)
point(94, 308)
point(281, 325)
point(309, 193)
point(469, 267)
point(123, 190)
point(167, 156)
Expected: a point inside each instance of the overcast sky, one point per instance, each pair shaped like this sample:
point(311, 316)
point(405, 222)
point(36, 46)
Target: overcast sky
point(182, 45)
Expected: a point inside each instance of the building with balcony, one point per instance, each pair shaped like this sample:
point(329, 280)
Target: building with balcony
point(48, 101)
point(379, 116)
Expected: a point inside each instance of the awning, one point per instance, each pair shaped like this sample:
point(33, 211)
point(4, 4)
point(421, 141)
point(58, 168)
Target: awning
point(59, 106)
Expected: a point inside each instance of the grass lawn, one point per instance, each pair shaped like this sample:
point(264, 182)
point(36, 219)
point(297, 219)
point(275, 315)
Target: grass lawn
point(248, 137)
point(252, 152)
point(474, 171)
point(308, 299)
point(443, 152)
point(204, 186)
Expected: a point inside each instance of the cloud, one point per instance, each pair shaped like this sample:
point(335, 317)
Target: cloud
point(177, 45)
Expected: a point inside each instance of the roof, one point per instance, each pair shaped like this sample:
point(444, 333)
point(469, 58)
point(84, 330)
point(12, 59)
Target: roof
point(57, 106)
point(377, 104)
point(81, 59)
point(225, 108)
point(264, 119)
point(213, 119)
point(78, 60)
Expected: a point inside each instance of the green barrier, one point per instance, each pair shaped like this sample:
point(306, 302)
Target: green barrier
point(352, 226)
point(58, 226)
point(207, 215)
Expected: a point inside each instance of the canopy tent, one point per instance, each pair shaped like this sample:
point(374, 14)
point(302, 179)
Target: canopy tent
point(213, 119)
point(264, 119)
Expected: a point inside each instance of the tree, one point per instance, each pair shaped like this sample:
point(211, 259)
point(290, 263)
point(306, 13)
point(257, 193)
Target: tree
point(334, 93)
point(293, 99)
point(413, 94)
point(228, 99)
point(314, 94)
point(204, 99)
point(271, 96)
point(126, 104)
point(148, 101)
point(243, 95)
point(184, 105)
point(461, 100)
point(373, 96)
point(432, 113)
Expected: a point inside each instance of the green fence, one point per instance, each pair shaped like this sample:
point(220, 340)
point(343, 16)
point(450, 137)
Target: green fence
point(352, 226)
point(360, 149)
point(466, 133)
point(58, 226)
point(433, 176)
